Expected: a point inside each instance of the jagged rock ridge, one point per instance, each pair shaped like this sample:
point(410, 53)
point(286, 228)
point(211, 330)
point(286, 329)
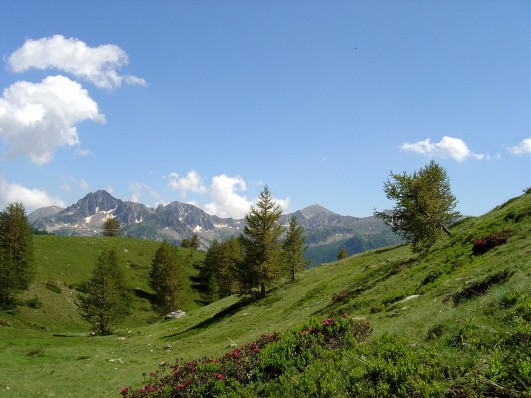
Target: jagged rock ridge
point(177, 221)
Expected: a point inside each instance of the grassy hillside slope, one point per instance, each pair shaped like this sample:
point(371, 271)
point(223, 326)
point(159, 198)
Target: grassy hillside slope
point(63, 262)
point(443, 294)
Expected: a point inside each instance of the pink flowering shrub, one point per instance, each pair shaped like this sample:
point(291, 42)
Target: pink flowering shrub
point(485, 243)
point(262, 360)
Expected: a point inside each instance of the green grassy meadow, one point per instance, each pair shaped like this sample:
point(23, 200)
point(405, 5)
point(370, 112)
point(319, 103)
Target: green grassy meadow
point(46, 351)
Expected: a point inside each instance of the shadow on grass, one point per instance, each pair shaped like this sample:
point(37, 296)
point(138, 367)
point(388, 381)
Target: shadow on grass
point(226, 312)
point(144, 295)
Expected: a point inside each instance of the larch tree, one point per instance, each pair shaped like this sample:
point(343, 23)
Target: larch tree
point(424, 208)
point(261, 246)
point(165, 279)
point(16, 254)
point(293, 248)
point(105, 297)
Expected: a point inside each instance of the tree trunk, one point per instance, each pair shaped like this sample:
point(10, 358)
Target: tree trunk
point(445, 229)
point(262, 289)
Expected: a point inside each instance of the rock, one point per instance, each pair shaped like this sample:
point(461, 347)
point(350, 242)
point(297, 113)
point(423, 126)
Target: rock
point(175, 315)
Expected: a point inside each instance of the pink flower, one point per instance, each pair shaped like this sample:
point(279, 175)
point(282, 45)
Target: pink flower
point(124, 391)
point(219, 376)
point(181, 386)
point(344, 315)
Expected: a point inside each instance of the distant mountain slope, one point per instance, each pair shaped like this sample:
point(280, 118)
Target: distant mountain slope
point(177, 221)
point(43, 212)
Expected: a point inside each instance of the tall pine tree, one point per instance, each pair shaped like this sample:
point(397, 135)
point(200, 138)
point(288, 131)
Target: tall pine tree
point(261, 246)
point(165, 279)
point(105, 297)
point(293, 248)
point(16, 254)
point(217, 275)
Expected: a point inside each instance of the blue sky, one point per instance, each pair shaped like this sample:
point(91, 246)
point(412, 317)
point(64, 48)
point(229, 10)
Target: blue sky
point(205, 102)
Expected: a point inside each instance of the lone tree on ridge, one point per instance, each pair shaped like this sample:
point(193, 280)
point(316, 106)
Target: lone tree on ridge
point(424, 206)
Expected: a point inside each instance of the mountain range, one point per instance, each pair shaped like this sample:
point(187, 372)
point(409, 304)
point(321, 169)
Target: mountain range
point(325, 231)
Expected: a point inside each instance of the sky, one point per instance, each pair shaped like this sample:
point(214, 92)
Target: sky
point(207, 102)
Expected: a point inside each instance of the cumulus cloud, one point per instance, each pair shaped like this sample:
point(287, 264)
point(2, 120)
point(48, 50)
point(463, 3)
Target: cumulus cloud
point(226, 201)
point(31, 198)
point(522, 148)
point(192, 182)
point(99, 65)
point(37, 118)
point(448, 147)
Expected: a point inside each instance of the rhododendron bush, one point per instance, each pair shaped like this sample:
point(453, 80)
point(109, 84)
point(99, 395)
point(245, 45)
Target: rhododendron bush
point(264, 359)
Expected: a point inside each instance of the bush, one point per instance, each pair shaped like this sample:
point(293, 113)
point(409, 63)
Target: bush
point(486, 243)
point(261, 361)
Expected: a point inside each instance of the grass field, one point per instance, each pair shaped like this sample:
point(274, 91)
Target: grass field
point(45, 352)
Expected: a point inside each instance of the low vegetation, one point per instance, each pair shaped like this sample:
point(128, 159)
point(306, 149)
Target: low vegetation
point(453, 322)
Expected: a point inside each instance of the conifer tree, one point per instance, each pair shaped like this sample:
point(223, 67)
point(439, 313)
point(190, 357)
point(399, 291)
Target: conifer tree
point(105, 297)
point(217, 273)
point(111, 227)
point(194, 242)
point(293, 248)
point(261, 246)
point(342, 254)
point(424, 206)
point(16, 254)
point(165, 279)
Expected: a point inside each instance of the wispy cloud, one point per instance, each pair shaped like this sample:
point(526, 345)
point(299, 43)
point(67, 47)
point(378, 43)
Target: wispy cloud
point(31, 198)
point(81, 183)
point(522, 148)
point(139, 190)
point(447, 147)
point(38, 118)
point(99, 65)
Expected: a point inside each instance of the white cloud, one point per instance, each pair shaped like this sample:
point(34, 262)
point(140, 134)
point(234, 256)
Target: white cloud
point(37, 118)
point(454, 148)
point(523, 147)
point(31, 198)
point(192, 182)
point(99, 65)
point(225, 200)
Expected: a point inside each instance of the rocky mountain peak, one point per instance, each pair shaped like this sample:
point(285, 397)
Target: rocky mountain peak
point(100, 200)
point(314, 210)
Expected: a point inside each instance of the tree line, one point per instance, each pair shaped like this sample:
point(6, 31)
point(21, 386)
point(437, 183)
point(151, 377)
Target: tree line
point(247, 265)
